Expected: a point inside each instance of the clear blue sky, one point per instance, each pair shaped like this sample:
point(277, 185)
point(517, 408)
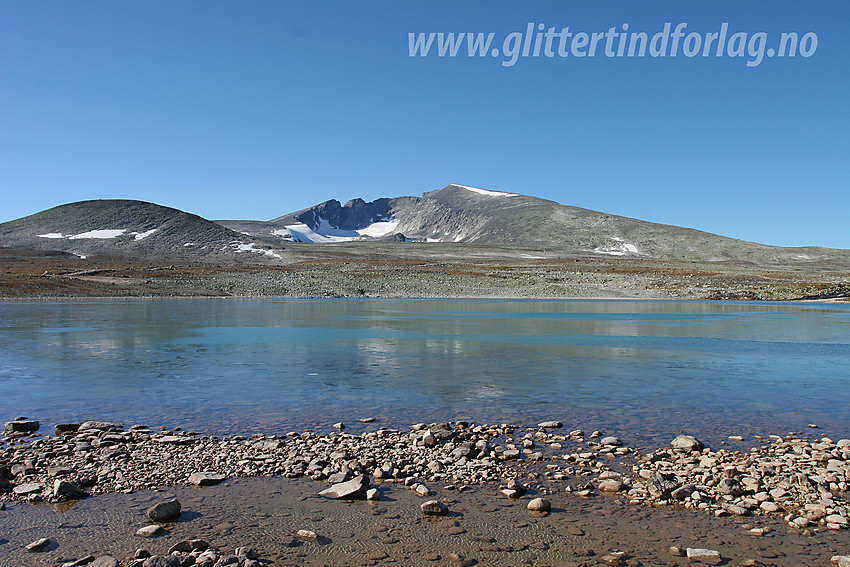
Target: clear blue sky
point(255, 109)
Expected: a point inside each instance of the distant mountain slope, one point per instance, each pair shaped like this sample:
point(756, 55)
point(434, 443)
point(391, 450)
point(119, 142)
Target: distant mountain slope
point(131, 228)
point(466, 214)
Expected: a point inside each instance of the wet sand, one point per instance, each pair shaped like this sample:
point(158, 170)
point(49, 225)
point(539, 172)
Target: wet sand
point(482, 527)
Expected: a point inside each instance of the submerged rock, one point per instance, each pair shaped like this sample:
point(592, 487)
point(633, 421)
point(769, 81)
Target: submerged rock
point(22, 426)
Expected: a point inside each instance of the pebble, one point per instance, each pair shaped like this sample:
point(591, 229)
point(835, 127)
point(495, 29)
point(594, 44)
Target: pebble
point(539, 505)
point(550, 424)
point(306, 534)
point(38, 545)
point(152, 530)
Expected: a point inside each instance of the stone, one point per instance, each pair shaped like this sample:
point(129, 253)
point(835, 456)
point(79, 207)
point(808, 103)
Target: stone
point(104, 561)
point(87, 560)
point(730, 486)
point(339, 477)
point(246, 552)
point(687, 443)
point(181, 547)
point(434, 508)
point(168, 511)
point(152, 530)
point(550, 424)
point(99, 426)
point(339, 426)
point(66, 428)
point(199, 544)
point(306, 534)
point(162, 561)
point(62, 488)
point(38, 545)
point(28, 488)
point(58, 471)
point(373, 494)
point(610, 485)
point(611, 441)
point(354, 488)
point(612, 560)
point(662, 485)
point(683, 492)
point(707, 556)
point(841, 560)
point(514, 484)
point(539, 505)
point(736, 510)
point(205, 478)
point(770, 507)
point(22, 426)
point(174, 440)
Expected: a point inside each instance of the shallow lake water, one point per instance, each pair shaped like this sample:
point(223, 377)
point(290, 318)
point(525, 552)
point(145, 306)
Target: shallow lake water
point(642, 369)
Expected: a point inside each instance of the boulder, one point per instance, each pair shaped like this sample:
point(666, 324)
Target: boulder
point(539, 505)
point(354, 488)
point(168, 511)
point(205, 478)
point(22, 426)
point(662, 485)
point(687, 443)
point(434, 508)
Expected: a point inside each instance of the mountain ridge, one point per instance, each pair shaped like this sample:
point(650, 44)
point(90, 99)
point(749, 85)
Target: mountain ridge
point(455, 214)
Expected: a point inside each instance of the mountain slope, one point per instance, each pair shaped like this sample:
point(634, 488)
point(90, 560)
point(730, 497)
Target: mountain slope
point(469, 215)
point(130, 228)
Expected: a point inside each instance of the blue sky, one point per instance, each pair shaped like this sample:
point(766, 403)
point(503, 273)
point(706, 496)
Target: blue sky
point(255, 109)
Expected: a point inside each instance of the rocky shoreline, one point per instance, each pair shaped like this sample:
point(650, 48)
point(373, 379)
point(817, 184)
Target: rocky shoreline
point(801, 479)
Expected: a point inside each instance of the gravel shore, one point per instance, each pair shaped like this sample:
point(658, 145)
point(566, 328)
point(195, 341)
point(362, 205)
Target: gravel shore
point(794, 484)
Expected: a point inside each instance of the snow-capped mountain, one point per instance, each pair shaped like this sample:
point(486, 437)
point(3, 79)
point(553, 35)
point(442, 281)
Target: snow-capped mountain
point(113, 227)
point(454, 214)
point(458, 213)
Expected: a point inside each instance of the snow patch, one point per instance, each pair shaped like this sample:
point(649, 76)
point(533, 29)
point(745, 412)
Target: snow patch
point(51, 235)
point(100, 234)
point(377, 229)
point(619, 248)
point(487, 192)
point(325, 232)
point(143, 235)
point(80, 256)
point(530, 257)
point(250, 248)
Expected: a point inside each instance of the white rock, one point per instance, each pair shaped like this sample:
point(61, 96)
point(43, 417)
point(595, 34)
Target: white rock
point(707, 556)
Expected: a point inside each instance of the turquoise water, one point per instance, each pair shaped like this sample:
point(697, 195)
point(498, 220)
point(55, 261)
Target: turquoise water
point(641, 368)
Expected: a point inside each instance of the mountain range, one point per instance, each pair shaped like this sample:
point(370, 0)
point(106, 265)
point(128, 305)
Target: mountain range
point(454, 214)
